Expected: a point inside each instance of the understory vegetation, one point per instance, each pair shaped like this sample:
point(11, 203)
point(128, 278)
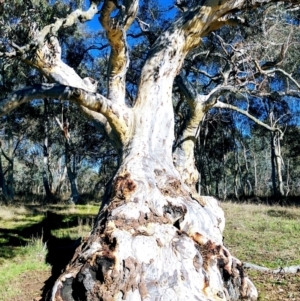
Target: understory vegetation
point(37, 239)
point(32, 236)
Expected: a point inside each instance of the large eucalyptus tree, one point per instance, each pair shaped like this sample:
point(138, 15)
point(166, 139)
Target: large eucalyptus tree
point(154, 237)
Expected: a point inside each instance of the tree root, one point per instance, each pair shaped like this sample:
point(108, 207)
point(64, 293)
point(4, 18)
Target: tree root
point(291, 269)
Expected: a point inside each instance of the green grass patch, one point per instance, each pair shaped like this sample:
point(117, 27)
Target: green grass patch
point(264, 235)
point(28, 258)
point(19, 224)
point(23, 233)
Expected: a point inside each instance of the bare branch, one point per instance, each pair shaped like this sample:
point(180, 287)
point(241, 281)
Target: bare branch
point(223, 105)
point(10, 160)
point(116, 28)
point(117, 116)
point(143, 26)
point(44, 52)
point(184, 146)
point(77, 15)
point(10, 54)
point(273, 70)
point(288, 269)
point(212, 97)
point(52, 29)
point(289, 76)
point(59, 123)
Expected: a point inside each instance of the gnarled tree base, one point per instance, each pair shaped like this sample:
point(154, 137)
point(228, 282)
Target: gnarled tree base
point(154, 242)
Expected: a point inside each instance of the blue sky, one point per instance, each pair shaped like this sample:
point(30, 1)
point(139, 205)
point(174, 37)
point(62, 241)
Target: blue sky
point(95, 25)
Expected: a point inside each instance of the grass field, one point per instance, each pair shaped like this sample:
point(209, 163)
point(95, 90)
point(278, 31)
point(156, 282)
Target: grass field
point(265, 235)
point(268, 236)
point(30, 239)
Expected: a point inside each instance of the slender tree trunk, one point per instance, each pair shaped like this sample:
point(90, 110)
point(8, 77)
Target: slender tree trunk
point(10, 165)
point(61, 178)
point(246, 181)
point(288, 178)
point(2, 179)
point(255, 174)
point(273, 165)
point(278, 161)
point(46, 152)
point(72, 173)
point(237, 174)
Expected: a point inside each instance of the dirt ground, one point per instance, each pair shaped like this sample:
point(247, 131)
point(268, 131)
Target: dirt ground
point(30, 286)
point(271, 287)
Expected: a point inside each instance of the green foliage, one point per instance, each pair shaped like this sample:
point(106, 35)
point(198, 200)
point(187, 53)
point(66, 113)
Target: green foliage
point(230, 163)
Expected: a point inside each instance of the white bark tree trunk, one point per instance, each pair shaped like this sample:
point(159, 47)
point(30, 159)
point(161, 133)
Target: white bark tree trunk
point(152, 241)
point(276, 162)
point(154, 238)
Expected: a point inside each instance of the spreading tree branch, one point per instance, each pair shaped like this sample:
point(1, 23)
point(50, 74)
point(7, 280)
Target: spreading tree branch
point(223, 105)
point(183, 152)
point(286, 74)
point(116, 28)
point(71, 19)
point(118, 117)
point(44, 52)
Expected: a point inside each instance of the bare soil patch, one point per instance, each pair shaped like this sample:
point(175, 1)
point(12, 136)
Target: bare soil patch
point(273, 287)
point(30, 285)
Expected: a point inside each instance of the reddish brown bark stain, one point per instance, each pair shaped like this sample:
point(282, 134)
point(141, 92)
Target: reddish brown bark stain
point(197, 237)
point(208, 250)
point(134, 224)
point(124, 186)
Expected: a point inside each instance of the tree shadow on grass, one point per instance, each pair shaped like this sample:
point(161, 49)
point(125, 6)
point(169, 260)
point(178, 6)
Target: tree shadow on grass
point(266, 200)
point(59, 249)
point(283, 213)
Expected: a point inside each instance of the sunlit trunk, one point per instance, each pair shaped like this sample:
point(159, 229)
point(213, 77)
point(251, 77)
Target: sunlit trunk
point(152, 239)
point(276, 161)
